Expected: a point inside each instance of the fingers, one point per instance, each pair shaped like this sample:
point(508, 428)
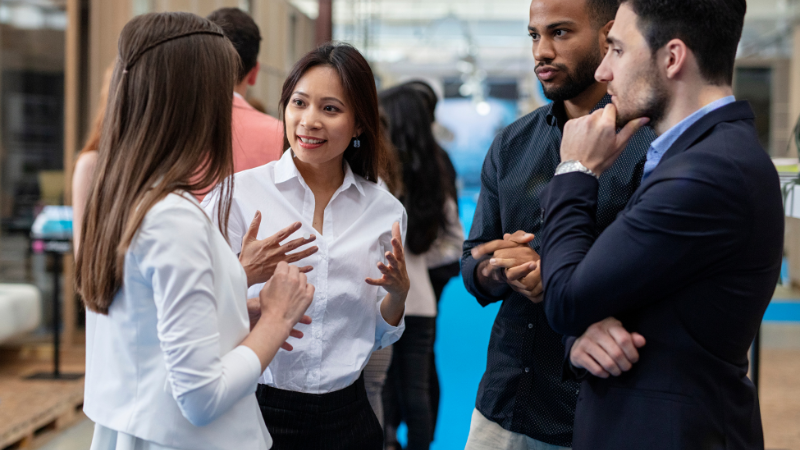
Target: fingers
point(306, 269)
point(296, 334)
point(629, 130)
point(581, 359)
point(521, 271)
point(619, 360)
point(281, 269)
point(296, 243)
point(285, 233)
point(602, 357)
point(287, 346)
point(397, 242)
point(520, 237)
point(638, 340)
point(392, 259)
point(376, 282)
point(305, 320)
point(302, 254)
point(624, 341)
point(491, 247)
point(252, 230)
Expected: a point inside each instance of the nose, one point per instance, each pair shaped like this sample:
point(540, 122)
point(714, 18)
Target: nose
point(310, 119)
point(543, 50)
point(604, 74)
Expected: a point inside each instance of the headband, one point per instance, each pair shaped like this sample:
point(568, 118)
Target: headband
point(138, 55)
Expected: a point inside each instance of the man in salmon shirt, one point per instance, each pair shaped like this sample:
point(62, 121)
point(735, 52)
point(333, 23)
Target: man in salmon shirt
point(257, 137)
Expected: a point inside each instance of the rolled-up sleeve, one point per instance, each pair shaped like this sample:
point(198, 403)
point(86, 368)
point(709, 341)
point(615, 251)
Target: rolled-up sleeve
point(173, 250)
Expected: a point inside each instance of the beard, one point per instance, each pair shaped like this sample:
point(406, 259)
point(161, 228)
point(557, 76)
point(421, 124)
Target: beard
point(578, 80)
point(646, 97)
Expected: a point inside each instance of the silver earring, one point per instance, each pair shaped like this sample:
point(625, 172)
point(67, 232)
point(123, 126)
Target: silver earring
point(356, 143)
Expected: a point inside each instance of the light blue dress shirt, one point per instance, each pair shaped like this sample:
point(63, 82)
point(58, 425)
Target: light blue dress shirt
point(665, 141)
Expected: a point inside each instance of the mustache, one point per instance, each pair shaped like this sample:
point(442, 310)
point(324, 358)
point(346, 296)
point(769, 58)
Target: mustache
point(558, 66)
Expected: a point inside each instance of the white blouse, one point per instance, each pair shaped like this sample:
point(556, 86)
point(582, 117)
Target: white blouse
point(165, 365)
point(347, 325)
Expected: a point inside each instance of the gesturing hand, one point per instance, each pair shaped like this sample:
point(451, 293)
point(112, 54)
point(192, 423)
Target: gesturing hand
point(254, 311)
point(395, 278)
point(286, 297)
point(593, 140)
point(259, 258)
point(606, 348)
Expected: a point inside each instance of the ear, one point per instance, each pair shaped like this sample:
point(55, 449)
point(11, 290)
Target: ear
point(604, 35)
point(252, 76)
point(674, 58)
point(357, 131)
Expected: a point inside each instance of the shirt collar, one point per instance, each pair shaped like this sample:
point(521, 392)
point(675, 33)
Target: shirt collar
point(236, 94)
point(557, 114)
point(663, 143)
point(285, 170)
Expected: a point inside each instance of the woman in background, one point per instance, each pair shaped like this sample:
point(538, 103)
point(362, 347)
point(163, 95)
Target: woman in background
point(169, 360)
point(432, 216)
point(315, 397)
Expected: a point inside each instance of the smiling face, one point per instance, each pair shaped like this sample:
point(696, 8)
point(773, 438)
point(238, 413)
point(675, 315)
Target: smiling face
point(635, 82)
point(567, 47)
point(320, 122)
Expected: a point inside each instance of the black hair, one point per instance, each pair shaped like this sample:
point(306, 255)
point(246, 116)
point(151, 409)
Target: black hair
point(424, 176)
point(427, 93)
point(243, 32)
point(710, 28)
point(603, 11)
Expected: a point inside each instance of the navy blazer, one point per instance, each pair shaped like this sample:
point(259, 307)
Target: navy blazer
point(691, 263)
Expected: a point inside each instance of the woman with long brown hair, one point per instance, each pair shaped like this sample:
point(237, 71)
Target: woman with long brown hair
point(169, 360)
point(314, 397)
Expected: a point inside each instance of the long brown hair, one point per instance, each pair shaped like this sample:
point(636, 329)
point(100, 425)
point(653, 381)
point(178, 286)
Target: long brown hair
point(167, 128)
point(93, 141)
point(373, 158)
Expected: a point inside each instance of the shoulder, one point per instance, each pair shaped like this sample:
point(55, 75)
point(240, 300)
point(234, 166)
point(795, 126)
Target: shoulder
point(86, 162)
point(379, 197)
point(261, 176)
point(526, 125)
point(176, 213)
point(257, 119)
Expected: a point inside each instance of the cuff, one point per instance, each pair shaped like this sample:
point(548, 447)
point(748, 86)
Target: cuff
point(385, 334)
point(468, 267)
point(569, 371)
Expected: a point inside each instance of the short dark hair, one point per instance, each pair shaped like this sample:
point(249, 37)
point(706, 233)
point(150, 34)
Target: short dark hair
point(603, 11)
point(243, 32)
point(710, 28)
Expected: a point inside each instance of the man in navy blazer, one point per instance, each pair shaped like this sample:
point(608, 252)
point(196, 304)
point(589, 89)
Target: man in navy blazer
point(689, 266)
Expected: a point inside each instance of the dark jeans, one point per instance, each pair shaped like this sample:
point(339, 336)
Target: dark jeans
point(406, 395)
point(340, 420)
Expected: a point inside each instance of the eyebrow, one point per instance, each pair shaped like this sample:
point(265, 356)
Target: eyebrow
point(555, 25)
point(612, 40)
point(326, 99)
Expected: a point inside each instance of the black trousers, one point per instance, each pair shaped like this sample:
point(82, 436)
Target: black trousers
point(406, 394)
point(340, 420)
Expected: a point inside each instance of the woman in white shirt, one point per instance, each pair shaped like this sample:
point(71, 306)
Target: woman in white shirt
point(169, 360)
point(314, 396)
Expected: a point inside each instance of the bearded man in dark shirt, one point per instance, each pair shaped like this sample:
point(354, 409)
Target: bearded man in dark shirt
point(523, 401)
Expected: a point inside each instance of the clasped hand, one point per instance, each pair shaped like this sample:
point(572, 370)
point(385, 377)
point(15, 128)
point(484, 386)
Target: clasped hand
point(593, 139)
point(606, 348)
point(512, 261)
point(260, 258)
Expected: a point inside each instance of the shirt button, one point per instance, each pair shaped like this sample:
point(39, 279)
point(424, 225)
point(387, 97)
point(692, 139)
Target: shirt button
point(530, 325)
point(527, 369)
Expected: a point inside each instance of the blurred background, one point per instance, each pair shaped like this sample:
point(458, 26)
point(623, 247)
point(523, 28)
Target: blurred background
point(476, 54)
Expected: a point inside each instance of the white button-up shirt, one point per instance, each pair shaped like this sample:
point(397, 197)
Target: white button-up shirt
point(347, 325)
point(165, 365)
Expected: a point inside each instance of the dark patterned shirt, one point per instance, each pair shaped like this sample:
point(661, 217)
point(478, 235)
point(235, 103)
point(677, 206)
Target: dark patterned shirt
point(522, 389)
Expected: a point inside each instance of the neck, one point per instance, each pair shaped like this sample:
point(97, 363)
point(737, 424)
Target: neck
point(241, 89)
point(686, 100)
point(585, 101)
point(324, 177)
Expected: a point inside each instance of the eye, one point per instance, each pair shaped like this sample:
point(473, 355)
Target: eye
point(559, 33)
point(297, 102)
point(533, 36)
point(330, 108)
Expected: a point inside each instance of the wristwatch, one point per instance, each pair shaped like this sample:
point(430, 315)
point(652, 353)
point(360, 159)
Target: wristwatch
point(574, 166)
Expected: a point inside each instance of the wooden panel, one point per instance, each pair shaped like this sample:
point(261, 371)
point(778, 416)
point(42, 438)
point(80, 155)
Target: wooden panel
point(794, 88)
point(792, 248)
